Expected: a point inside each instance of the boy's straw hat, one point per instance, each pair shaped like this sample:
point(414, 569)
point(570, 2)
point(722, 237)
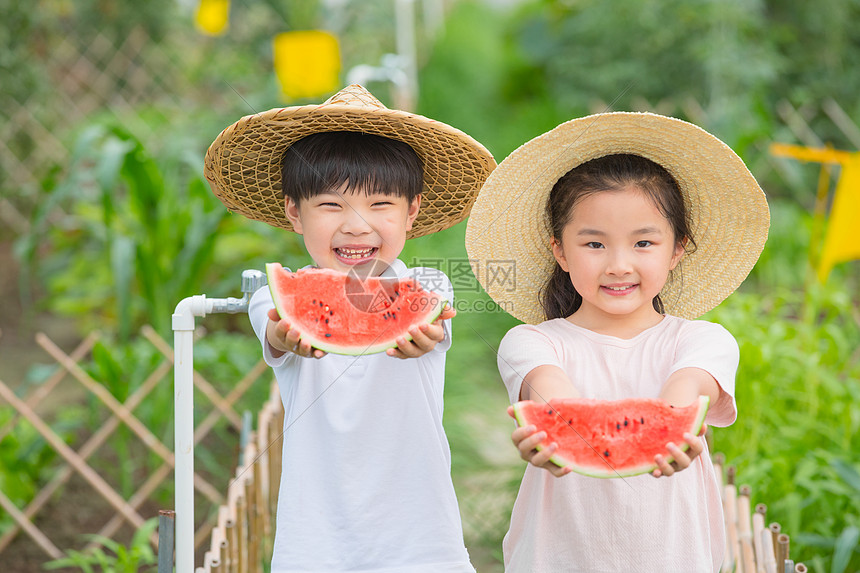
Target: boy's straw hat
point(729, 213)
point(243, 165)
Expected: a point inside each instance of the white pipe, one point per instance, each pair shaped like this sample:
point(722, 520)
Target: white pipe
point(183, 405)
point(183, 411)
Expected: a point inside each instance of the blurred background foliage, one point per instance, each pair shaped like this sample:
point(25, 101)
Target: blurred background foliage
point(117, 224)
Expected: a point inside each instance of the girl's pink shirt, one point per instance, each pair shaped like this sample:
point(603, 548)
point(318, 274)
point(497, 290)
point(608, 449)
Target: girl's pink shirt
point(578, 523)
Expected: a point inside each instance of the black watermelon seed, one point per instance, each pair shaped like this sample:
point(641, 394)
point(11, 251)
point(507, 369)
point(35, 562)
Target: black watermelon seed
point(641, 420)
point(326, 321)
point(328, 334)
point(617, 426)
point(549, 412)
point(606, 453)
point(625, 422)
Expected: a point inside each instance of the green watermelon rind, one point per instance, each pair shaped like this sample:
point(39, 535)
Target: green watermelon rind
point(561, 462)
point(433, 313)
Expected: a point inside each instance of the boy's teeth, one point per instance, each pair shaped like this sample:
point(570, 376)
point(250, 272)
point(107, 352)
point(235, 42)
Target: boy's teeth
point(354, 253)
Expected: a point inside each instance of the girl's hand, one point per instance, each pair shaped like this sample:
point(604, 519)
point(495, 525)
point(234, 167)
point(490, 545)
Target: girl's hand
point(526, 439)
point(682, 459)
point(283, 338)
point(424, 337)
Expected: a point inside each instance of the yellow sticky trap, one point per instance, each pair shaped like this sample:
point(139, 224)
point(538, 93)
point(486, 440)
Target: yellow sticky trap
point(212, 16)
point(826, 155)
point(307, 63)
point(842, 242)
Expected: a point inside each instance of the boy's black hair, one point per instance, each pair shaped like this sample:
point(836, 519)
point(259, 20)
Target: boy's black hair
point(323, 162)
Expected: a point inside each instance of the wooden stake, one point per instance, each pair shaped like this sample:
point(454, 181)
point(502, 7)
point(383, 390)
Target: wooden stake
point(745, 530)
point(732, 562)
point(800, 568)
point(166, 539)
point(757, 528)
point(769, 557)
point(242, 530)
point(782, 548)
point(775, 529)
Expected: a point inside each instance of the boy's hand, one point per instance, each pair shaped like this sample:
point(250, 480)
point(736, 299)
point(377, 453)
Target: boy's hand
point(283, 338)
point(683, 459)
point(424, 337)
point(526, 439)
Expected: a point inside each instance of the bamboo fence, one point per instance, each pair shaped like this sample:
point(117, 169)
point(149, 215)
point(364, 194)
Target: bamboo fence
point(751, 546)
point(241, 540)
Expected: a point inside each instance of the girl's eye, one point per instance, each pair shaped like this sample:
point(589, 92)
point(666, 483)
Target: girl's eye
point(594, 245)
point(643, 244)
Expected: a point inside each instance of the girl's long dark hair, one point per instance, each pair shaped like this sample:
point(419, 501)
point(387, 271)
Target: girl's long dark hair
point(609, 173)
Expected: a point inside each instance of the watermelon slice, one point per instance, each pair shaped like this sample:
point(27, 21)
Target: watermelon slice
point(618, 438)
point(346, 314)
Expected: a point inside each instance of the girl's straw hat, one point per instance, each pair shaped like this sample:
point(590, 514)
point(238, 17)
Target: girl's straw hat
point(508, 229)
point(243, 165)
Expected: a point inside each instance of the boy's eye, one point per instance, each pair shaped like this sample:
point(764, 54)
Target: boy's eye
point(643, 244)
point(329, 204)
point(382, 203)
point(594, 245)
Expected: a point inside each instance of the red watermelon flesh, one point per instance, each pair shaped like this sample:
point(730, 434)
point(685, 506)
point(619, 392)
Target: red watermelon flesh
point(611, 438)
point(345, 314)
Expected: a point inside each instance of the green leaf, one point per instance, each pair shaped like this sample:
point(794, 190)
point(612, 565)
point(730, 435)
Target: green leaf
point(846, 543)
point(848, 473)
point(122, 259)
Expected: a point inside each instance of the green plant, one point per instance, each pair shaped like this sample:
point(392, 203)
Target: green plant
point(797, 437)
point(125, 236)
point(108, 556)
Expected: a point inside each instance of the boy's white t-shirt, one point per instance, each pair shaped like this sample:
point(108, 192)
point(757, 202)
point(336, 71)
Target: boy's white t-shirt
point(366, 478)
point(578, 523)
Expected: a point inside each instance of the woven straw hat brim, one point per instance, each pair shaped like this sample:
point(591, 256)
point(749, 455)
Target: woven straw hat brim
point(729, 212)
point(243, 165)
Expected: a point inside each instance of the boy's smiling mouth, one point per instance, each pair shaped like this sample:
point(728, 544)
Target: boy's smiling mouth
point(355, 254)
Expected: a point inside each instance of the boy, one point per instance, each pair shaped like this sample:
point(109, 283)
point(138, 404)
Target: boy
point(366, 480)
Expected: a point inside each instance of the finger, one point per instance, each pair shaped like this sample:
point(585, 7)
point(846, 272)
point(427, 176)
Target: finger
point(434, 332)
point(273, 315)
point(292, 337)
point(511, 412)
point(664, 468)
point(558, 471)
point(697, 446)
point(530, 443)
point(703, 429)
point(304, 349)
point(521, 434)
point(408, 349)
point(447, 312)
point(396, 353)
point(319, 353)
point(680, 459)
point(420, 339)
point(541, 458)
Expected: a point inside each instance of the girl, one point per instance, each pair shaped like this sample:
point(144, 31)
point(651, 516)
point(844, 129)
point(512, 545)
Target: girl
point(648, 222)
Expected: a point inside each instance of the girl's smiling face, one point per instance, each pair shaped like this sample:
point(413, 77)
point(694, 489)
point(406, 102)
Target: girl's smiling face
point(618, 250)
point(348, 231)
